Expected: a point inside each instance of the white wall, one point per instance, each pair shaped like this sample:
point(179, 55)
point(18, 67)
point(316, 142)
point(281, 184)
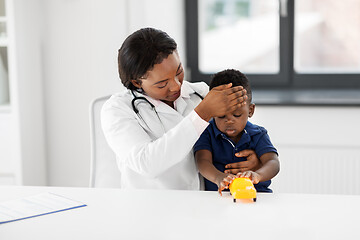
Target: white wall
point(167, 15)
point(22, 153)
point(319, 147)
point(79, 63)
point(30, 91)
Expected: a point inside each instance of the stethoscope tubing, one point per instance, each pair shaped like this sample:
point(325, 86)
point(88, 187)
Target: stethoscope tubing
point(136, 110)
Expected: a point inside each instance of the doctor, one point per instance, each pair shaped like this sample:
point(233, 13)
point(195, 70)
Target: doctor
point(153, 124)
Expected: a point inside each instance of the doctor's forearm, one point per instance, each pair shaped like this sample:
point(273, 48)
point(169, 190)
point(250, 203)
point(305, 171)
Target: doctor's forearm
point(203, 112)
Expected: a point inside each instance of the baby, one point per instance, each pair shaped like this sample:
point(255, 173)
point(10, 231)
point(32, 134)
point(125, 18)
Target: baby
point(227, 135)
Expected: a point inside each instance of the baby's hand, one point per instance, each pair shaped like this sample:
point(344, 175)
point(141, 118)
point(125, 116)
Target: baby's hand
point(254, 177)
point(225, 181)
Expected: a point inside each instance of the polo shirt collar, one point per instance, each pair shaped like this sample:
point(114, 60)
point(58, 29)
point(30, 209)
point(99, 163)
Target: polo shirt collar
point(216, 130)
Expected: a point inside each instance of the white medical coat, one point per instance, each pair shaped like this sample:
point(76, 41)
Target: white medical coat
point(155, 152)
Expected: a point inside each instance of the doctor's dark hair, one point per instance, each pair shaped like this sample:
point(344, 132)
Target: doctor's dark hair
point(233, 76)
point(141, 51)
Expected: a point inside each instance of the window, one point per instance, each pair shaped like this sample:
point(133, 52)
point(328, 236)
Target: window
point(225, 24)
point(279, 44)
point(327, 36)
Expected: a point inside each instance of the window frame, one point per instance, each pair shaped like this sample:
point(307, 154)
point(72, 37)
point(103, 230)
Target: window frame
point(287, 78)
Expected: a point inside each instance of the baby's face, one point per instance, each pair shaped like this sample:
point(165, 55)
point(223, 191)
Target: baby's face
point(233, 124)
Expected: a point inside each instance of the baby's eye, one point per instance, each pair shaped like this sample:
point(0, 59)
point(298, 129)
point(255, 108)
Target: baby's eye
point(237, 115)
point(222, 116)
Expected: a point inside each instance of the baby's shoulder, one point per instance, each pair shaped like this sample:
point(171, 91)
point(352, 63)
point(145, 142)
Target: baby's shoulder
point(253, 129)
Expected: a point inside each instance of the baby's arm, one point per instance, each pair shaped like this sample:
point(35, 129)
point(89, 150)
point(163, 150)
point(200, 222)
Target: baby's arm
point(207, 169)
point(270, 167)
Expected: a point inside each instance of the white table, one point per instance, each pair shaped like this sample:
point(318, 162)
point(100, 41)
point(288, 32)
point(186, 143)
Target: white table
point(156, 214)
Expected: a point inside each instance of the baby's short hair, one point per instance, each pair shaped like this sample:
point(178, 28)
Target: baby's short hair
point(233, 76)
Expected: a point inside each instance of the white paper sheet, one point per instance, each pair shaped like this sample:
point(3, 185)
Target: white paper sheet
point(37, 205)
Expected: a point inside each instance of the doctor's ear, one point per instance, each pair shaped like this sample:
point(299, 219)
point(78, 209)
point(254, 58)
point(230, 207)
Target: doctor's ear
point(136, 83)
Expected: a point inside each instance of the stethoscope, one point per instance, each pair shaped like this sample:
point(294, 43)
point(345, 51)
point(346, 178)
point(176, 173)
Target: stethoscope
point(136, 110)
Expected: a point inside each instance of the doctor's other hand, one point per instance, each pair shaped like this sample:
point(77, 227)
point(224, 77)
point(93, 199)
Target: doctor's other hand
point(223, 181)
point(252, 162)
point(221, 100)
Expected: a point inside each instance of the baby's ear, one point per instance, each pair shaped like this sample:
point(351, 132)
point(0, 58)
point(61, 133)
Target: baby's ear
point(251, 109)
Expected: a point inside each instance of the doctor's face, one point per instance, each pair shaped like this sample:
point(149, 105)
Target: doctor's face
point(164, 81)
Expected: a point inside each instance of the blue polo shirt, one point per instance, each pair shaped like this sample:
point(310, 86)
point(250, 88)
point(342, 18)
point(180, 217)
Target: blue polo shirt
point(223, 149)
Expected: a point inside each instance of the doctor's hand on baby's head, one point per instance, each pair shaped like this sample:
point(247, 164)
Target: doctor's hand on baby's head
point(221, 100)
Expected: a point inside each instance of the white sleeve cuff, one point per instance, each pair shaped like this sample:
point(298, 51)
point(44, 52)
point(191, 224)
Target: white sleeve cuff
point(199, 123)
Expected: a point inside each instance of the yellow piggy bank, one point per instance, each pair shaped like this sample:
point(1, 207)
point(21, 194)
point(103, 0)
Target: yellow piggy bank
point(242, 188)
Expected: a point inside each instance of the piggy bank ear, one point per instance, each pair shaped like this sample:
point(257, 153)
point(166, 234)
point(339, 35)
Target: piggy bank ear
point(251, 109)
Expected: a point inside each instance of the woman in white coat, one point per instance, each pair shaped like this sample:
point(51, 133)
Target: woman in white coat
point(153, 124)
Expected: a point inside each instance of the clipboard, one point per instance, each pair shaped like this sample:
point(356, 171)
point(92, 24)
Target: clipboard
point(35, 206)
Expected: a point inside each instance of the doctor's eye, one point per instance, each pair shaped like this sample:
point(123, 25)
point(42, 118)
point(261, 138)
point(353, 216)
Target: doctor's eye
point(222, 116)
point(180, 72)
point(162, 85)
